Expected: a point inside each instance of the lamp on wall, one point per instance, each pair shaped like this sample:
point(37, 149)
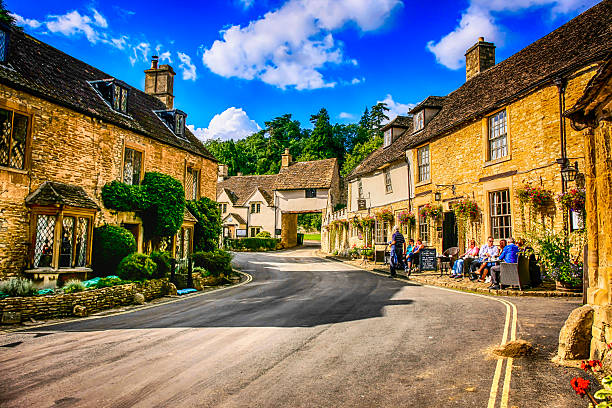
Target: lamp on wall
point(569, 172)
point(438, 196)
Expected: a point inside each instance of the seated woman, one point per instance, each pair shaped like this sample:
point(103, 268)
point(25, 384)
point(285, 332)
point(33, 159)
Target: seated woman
point(472, 252)
point(415, 251)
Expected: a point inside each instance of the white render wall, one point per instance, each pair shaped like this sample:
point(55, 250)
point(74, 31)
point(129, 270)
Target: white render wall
point(295, 200)
point(374, 187)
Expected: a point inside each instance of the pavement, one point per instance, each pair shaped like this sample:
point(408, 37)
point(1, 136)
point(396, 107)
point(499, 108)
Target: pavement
point(306, 332)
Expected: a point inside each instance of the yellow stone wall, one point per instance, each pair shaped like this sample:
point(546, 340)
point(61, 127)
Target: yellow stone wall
point(289, 230)
point(76, 149)
point(459, 158)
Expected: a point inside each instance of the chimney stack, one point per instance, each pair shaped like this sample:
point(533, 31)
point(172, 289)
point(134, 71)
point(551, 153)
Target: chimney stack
point(222, 173)
point(480, 57)
point(159, 82)
point(286, 159)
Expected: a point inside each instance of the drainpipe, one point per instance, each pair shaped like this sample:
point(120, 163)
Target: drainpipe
point(409, 179)
point(561, 84)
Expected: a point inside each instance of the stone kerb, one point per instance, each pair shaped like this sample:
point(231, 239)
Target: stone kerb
point(95, 300)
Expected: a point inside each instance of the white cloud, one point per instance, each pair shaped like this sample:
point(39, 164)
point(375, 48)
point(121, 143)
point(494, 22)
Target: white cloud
point(73, 23)
point(266, 49)
point(478, 21)
point(119, 43)
point(356, 81)
point(23, 22)
point(246, 3)
point(140, 52)
point(346, 115)
point(189, 69)
point(233, 123)
point(396, 108)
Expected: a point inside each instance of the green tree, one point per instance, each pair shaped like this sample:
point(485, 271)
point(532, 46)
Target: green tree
point(359, 153)
point(5, 16)
point(208, 229)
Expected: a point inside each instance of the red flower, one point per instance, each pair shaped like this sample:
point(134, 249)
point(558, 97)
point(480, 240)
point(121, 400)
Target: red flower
point(580, 385)
point(590, 365)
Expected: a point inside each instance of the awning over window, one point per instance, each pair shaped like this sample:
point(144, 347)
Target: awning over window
point(52, 193)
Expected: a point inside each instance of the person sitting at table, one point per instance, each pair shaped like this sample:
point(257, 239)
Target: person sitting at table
point(485, 268)
point(416, 250)
point(487, 251)
point(409, 249)
point(472, 252)
point(508, 255)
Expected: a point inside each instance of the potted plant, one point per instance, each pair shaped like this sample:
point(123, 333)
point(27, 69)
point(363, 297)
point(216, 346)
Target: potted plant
point(384, 215)
point(538, 197)
point(431, 211)
point(466, 209)
point(367, 222)
point(573, 200)
point(406, 218)
point(554, 252)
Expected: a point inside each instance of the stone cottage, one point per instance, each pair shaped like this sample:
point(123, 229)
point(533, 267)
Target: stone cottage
point(502, 130)
point(251, 204)
point(67, 130)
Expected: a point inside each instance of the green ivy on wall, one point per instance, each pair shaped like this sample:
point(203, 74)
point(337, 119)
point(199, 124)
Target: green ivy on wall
point(159, 201)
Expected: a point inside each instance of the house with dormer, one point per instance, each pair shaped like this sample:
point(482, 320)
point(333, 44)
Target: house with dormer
point(271, 203)
point(68, 129)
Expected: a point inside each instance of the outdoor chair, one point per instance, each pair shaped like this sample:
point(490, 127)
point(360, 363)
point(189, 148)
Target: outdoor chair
point(445, 261)
point(515, 274)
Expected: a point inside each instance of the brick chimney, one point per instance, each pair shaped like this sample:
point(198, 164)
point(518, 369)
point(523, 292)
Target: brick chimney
point(222, 175)
point(286, 159)
point(159, 82)
point(480, 57)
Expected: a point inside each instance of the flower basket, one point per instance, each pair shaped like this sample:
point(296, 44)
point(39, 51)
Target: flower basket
point(367, 222)
point(366, 252)
point(356, 222)
point(344, 223)
point(466, 209)
point(406, 218)
point(431, 211)
point(384, 215)
point(536, 196)
point(573, 200)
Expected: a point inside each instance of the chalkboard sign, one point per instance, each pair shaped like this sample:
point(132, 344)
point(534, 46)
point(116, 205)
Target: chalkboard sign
point(428, 260)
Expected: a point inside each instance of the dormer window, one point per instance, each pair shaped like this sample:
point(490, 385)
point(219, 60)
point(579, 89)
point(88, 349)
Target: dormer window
point(388, 137)
point(114, 92)
point(175, 120)
point(4, 40)
point(419, 120)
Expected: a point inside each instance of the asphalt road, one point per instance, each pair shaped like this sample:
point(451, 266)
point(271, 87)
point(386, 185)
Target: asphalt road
point(304, 333)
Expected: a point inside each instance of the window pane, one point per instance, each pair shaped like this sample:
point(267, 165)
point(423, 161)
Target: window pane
point(65, 260)
point(501, 226)
point(132, 162)
point(124, 97)
point(43, 247)
point(82, 241)
point(18, 145)
point(186, 241)
point(6, 118)
point(3, 44)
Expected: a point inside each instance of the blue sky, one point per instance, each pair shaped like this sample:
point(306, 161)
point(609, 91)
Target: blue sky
point(240, 63)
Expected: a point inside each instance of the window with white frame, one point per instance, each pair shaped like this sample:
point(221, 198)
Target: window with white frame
point(423, 162)
point(387, 174)
point(419, 120)
point(388, 137)
point(501, 219)
point(381, 229)
point(498, 138)
point(423, 228)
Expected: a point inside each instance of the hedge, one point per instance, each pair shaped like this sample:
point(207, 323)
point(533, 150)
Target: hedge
point(254, 244)
point(216, 262)
point(111, 244)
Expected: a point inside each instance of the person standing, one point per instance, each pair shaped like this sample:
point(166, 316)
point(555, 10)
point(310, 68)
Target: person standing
point(398, 246)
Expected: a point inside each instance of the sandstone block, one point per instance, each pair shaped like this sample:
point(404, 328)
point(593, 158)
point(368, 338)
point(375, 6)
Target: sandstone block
point(172, 290)
point(575, 336)
point(11, 318)
point(139, 299)
point(79, 310)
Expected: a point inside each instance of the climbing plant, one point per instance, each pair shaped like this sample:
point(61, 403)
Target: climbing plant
point(159, 201)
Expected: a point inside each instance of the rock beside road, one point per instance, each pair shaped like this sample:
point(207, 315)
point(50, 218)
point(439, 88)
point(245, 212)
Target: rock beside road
point(575, 336)
point(79, 310)
point(139, 299)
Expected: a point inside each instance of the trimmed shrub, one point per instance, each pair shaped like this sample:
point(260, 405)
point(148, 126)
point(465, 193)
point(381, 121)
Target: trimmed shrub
point(136, 267)
point(73, 285)
point(17, 287)
point(108, 282)
point(263, 234)
point(119, 196)
point(216, 262)
point(111, 244)
point(199, 270)
point(162, 261)
point(253, 244)
point(165, 206)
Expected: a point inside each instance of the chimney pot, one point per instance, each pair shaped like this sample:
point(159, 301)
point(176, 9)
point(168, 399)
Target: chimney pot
point(154, 60)
point(480, 39)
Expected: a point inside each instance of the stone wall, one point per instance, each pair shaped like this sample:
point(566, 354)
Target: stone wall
point(72, 148)
point(289, 230)
point(45, 307)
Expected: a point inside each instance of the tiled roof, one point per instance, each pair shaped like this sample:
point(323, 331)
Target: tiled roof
point(43, 71)
point(399, 121)
point(309, 174)
point(591, 106)
point(584, 40)
point(384, 155)
point(429, 102)
point(53, 193)
point(237, 217)
point(243, 187)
